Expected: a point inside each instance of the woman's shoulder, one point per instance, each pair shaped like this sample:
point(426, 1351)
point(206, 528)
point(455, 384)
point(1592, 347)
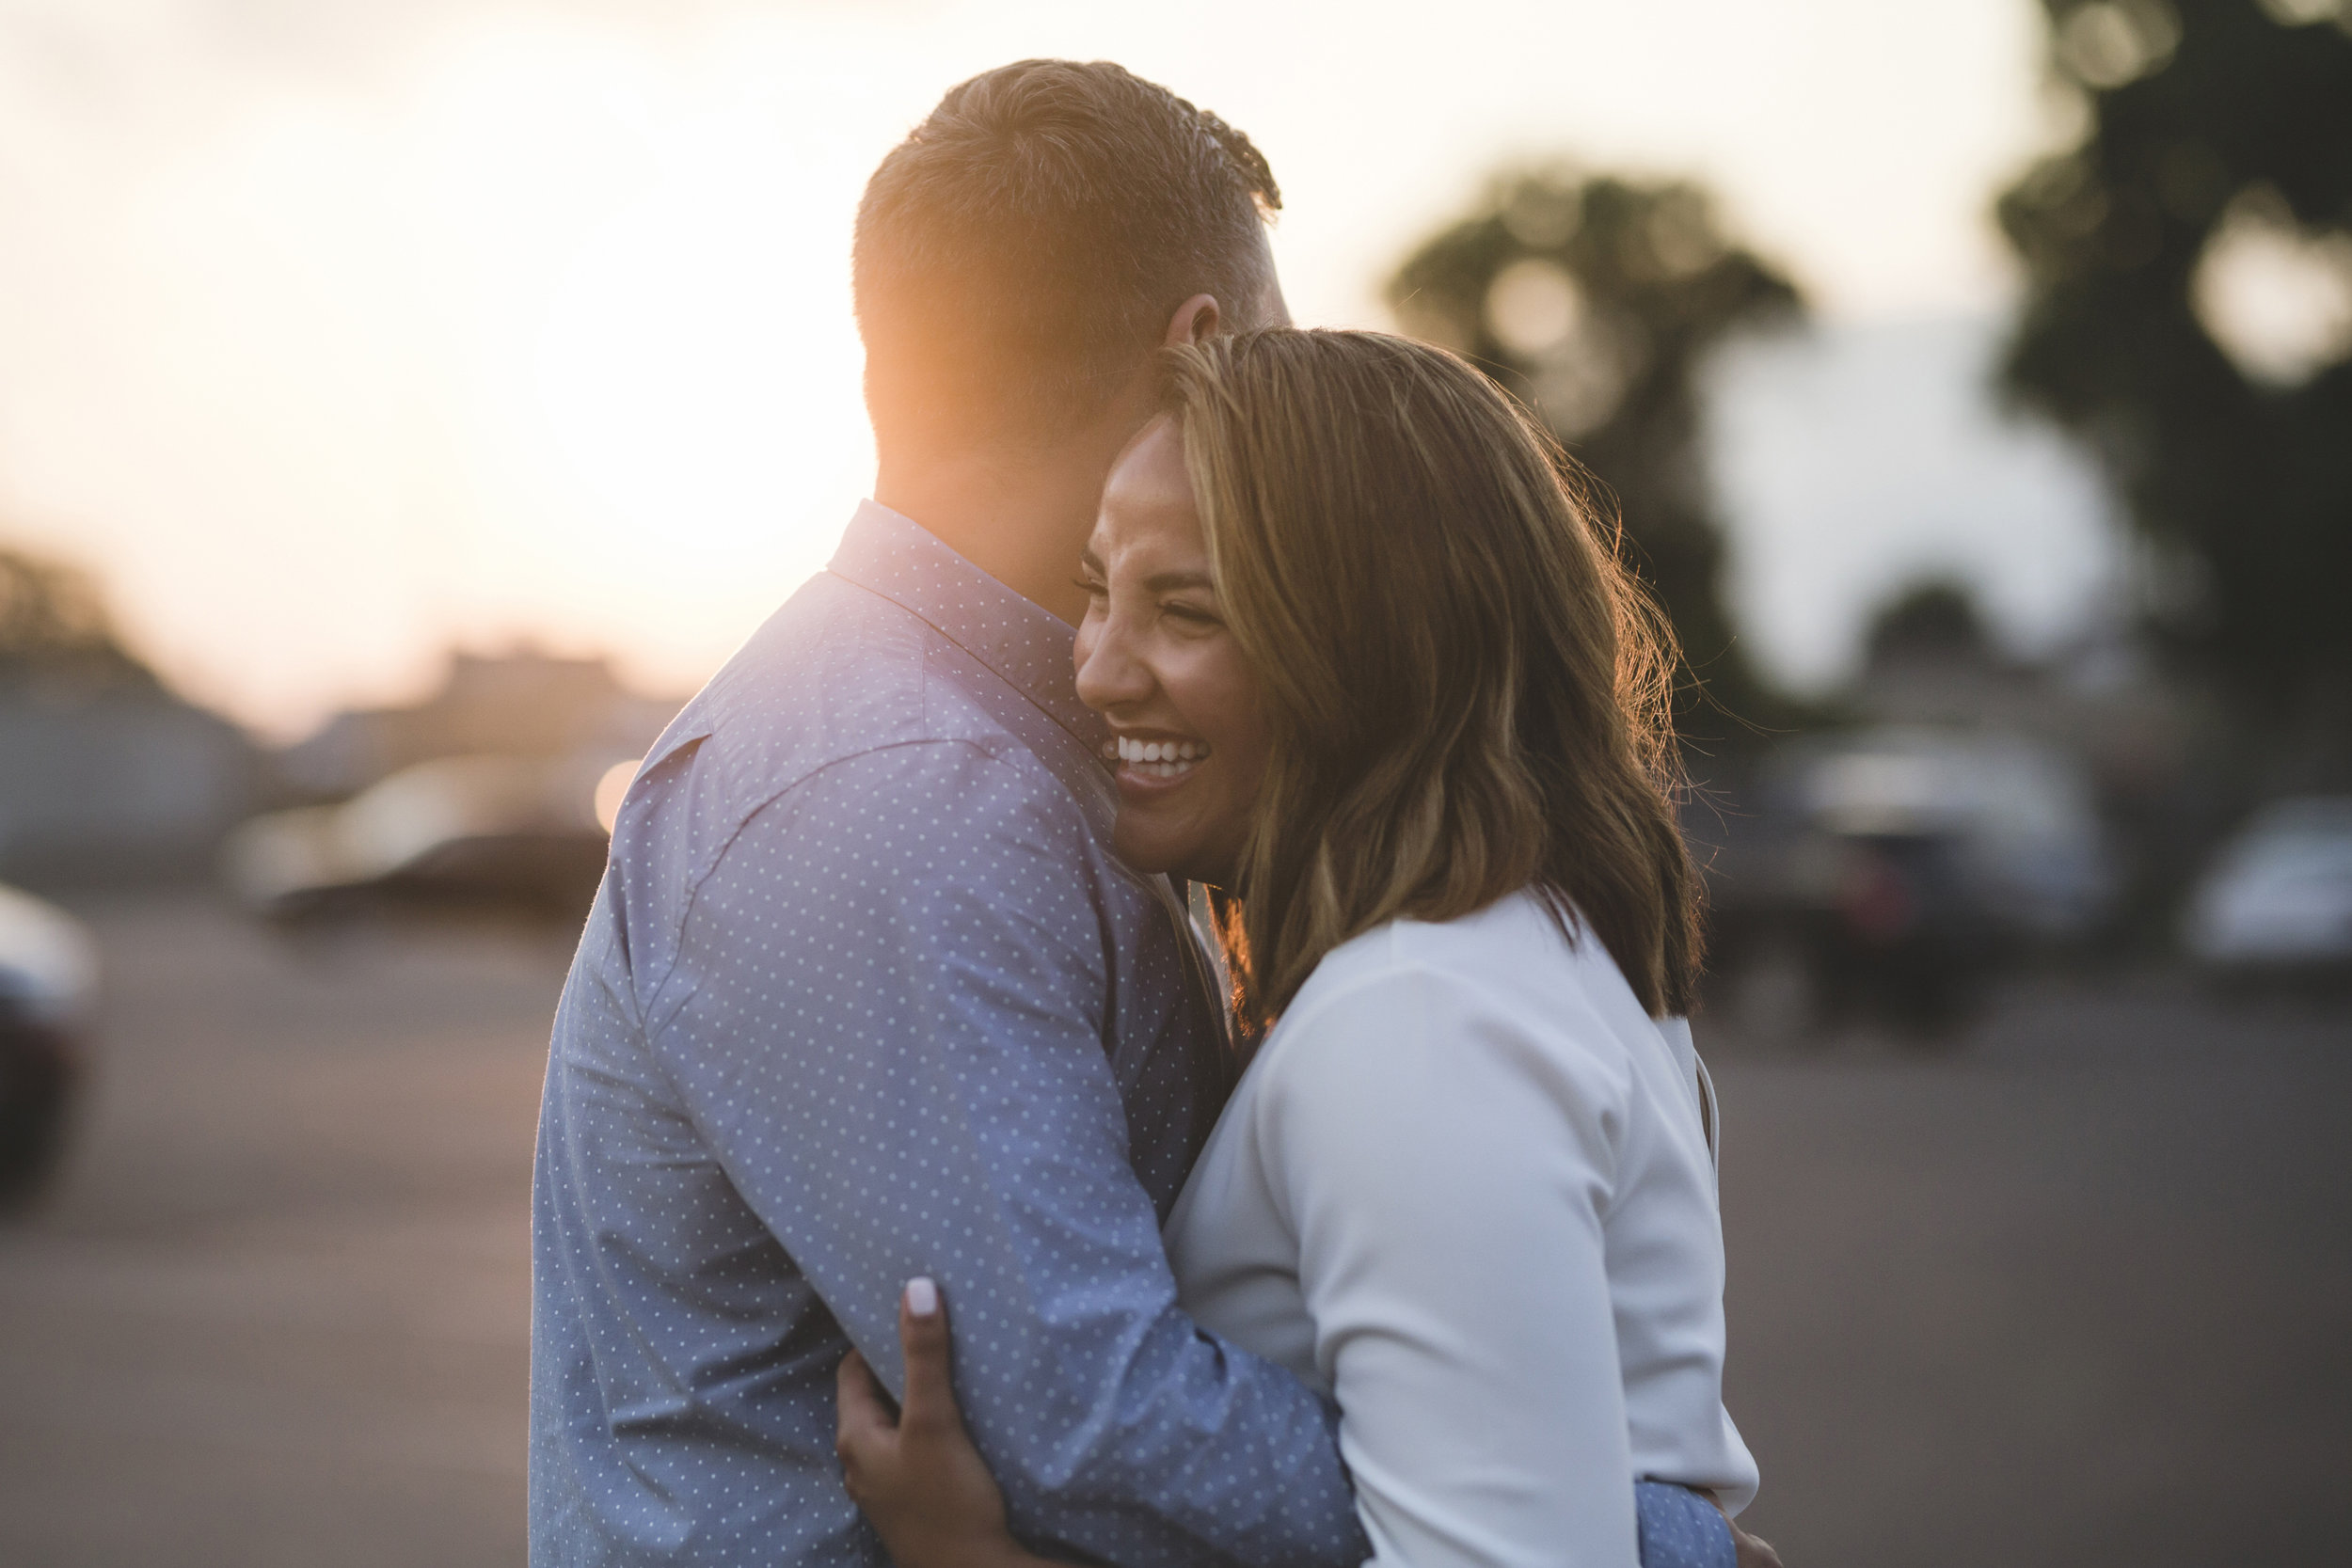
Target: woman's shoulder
point(1517, 942)
point(1509, 977)
point(1494, 1027)
point(1407, 939)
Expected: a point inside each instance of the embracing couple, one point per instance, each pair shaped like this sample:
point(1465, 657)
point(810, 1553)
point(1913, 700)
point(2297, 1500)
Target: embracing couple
point(1257, 1032)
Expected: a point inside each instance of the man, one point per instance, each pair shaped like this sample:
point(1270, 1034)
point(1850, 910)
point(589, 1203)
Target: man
point(864, 994)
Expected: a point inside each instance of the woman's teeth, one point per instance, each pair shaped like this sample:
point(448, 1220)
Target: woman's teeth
point(1157, 759)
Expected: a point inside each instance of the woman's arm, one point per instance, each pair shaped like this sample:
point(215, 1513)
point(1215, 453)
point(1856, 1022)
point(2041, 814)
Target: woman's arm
point(915, 1475)
point(1447, 1167)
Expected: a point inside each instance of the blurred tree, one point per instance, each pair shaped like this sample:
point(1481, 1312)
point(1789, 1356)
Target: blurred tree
point(2189, 313)
point(1595, 300)
point(53, 623)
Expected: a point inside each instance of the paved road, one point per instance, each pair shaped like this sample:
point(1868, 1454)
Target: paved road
point(2075, 1292)
point(2078, 1294)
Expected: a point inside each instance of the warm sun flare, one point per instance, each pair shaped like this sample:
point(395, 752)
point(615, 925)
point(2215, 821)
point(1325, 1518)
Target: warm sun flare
point(695, 371)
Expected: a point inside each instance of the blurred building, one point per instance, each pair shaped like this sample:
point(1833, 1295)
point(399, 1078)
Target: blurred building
point(105, 772)
point(1930, 661)
point(523, 704)
point(103, 780)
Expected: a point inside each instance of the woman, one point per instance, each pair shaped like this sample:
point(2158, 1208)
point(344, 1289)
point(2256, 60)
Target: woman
point(1373, 676)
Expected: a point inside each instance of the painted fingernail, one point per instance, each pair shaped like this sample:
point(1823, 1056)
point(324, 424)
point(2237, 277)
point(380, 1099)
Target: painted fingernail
point(922, 1297)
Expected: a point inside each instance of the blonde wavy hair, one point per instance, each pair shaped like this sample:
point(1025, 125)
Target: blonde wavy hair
point(1468, 692)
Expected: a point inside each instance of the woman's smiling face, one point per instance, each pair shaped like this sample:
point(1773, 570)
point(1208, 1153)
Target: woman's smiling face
point(1156, 658)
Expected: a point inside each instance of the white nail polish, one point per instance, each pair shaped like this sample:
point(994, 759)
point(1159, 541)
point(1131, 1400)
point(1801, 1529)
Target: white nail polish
point(922, 1297)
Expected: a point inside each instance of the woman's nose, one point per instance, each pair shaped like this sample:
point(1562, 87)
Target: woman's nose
point(1109, 674)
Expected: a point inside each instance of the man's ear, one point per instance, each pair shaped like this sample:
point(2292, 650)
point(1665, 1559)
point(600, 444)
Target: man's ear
point(1195, 321)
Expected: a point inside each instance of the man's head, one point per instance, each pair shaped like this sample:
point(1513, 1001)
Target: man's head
point(1023, 252)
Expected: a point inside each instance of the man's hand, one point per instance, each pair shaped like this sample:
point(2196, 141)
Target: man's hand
point(916, 1476)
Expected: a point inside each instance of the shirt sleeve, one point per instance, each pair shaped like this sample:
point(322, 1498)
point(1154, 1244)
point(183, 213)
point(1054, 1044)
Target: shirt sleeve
point(887, 1018)
point(1447, 1177)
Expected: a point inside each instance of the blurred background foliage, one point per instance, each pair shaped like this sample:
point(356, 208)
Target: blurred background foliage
point(1596, 299)
point(2175, 259)
point(2185, 316)
point(2213, 185)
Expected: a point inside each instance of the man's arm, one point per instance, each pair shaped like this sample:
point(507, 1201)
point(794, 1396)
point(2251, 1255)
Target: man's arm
point(886, 1018)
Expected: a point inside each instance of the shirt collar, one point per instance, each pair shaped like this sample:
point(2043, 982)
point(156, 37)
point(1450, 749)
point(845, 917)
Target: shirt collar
point(1026, 644)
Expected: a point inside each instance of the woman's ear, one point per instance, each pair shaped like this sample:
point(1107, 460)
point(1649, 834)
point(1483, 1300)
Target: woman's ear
point(1195, 321)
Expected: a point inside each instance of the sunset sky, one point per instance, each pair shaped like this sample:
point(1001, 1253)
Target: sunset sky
point(334, 333)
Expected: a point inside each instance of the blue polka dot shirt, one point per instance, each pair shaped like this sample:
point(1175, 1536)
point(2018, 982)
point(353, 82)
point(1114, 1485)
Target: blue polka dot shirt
point(864, 995)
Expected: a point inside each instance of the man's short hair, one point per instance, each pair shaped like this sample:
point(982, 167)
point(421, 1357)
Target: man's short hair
point(1019, 255)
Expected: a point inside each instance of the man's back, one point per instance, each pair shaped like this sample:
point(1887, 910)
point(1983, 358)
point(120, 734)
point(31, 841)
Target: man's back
point(864, 996)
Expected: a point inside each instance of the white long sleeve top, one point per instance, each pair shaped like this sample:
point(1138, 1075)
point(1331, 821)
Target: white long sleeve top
point(1466, 1187)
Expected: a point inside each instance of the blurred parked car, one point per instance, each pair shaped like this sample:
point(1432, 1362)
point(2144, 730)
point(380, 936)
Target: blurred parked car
point(48, 984)
point(517, 833)
point(2277, 899)
point(1898, 868)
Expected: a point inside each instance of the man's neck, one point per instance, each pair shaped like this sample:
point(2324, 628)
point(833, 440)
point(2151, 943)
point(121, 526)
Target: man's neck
point(1021, 519)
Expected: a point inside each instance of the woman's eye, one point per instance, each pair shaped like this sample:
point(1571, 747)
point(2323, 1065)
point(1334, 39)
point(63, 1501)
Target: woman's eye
point(1092, 588)
point(1191, 614)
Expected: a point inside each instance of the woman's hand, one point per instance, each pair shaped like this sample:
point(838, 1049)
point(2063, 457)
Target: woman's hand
point(1753, 1552)
point(916, 1476)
